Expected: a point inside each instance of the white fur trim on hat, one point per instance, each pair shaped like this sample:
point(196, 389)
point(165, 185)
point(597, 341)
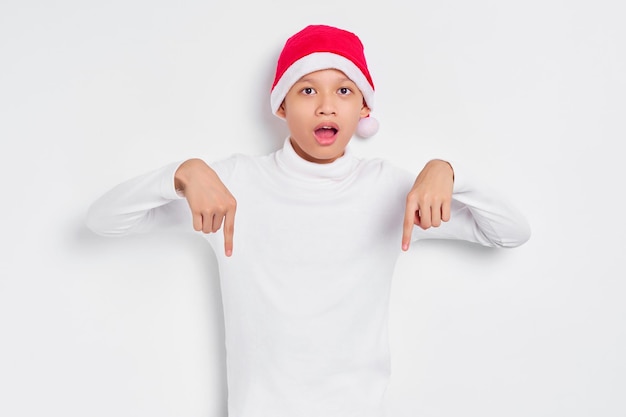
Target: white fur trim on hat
point(315, 62)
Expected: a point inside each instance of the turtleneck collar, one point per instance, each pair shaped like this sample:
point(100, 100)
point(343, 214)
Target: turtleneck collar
point(294, 165)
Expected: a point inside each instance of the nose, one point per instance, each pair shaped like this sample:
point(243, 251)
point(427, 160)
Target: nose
point(326, 106)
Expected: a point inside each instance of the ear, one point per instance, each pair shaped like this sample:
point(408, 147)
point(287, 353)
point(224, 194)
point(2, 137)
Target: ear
point(281, 111)
point(365, 111)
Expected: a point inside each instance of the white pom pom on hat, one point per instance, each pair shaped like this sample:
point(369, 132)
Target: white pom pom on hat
point(318, 47)
point(367, 126)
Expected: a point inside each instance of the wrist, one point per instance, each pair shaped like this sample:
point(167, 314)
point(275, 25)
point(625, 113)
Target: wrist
point(181, 176)
point(446, 163)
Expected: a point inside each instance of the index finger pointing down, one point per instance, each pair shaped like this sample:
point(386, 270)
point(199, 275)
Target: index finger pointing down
point(229, 230)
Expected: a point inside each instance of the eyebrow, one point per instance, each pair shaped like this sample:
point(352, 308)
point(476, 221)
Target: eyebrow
point(309, 80)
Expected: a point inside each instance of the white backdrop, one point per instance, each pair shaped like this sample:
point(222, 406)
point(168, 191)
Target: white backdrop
point(530, 95)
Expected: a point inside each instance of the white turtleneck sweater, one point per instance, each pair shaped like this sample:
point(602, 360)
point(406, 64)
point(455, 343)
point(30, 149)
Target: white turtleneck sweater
point(306, 290)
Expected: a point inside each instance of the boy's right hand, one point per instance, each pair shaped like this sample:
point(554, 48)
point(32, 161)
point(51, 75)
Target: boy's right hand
point(210, 201)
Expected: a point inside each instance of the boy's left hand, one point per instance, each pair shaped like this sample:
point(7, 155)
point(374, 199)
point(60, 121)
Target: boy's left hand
point(428, 202)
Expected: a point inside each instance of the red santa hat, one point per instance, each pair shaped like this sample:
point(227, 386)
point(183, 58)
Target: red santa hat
point(318, 47)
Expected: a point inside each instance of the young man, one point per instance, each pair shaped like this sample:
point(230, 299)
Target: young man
point(306, 277)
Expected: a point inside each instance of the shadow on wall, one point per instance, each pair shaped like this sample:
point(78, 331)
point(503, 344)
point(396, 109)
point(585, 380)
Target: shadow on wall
point(123, 260)
point(274, 129)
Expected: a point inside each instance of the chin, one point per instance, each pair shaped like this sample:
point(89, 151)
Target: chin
point(327, 157)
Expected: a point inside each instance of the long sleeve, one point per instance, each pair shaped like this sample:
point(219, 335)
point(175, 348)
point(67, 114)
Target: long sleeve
point(138, 204)
point(481, 215)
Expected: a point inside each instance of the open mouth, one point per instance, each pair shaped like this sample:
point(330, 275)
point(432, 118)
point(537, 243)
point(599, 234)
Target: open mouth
point(326, 134)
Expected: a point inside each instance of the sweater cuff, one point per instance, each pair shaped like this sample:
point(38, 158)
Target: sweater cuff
point(461, 180)
point(167, 187)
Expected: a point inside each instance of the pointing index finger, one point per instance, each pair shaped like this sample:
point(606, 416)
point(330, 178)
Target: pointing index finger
point(229, 230)
point(409, 221)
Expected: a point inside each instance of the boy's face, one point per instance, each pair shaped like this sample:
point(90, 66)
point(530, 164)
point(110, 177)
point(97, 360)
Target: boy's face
point(322, 110)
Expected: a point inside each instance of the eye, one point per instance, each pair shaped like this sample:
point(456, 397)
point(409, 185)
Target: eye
point(307, 91)
point(344, 91)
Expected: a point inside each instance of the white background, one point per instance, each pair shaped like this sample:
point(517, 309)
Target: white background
point(528, 95)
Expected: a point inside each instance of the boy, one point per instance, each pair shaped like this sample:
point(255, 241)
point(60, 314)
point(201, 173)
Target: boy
point(306, 278)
